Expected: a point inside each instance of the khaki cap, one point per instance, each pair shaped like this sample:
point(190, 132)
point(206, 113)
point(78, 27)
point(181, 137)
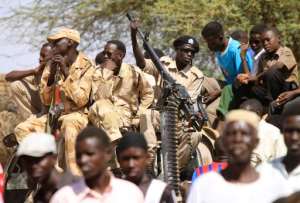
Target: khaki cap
point(64, 32)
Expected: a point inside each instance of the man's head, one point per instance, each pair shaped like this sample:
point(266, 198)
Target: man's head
point(255, 40)
point(37, 153)
point(114, 50)
point(240, 36)
point(93, 152)
point(64, 39)
point(239, 136)
point(45, 53)
point(185, 47)
point(99, 58)
point(132, 156)
point(253, 105)
point(271, 39)
point(291, 128)
point(213, 34)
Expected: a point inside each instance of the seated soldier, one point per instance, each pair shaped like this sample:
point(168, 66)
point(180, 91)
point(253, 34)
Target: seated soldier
point(120, 92)
point(277, 71)
point(74, 73)
point(182, 70)
point(25, 84)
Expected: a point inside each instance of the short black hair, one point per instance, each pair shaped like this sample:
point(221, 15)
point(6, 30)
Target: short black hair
point(238, 35)
point(272, 29)
point(258, 29)
point(97, 133)
point(213, 28)
point(132, 139)
point(255, 106)
point(120, 45)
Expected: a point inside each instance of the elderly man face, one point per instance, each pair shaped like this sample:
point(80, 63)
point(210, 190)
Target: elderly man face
point(239, 139)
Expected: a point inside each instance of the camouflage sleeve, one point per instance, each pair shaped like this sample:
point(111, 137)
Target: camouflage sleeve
point(45, 91)
point(151, 69)
point(77, 86)
point(146, 93)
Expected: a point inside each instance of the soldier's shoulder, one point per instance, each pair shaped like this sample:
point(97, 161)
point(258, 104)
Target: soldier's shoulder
point(85, 60)
point(196, 71)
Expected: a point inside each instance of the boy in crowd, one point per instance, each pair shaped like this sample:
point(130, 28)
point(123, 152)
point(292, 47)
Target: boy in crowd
point(132, 153)
point(93, 152)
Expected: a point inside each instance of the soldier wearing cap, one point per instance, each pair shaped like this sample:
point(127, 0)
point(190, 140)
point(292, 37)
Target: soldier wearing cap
point(182, 70)
point(75, 72)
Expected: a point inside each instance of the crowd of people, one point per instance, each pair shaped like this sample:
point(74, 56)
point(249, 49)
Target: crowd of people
point(91, 128)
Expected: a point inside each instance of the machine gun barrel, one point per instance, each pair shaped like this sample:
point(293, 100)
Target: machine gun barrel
point(178, 90)
point(167, 77)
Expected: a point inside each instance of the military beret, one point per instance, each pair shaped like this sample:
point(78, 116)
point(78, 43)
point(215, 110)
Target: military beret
point(186, 39)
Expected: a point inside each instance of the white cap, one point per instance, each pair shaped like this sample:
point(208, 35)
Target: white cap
point(37, 145)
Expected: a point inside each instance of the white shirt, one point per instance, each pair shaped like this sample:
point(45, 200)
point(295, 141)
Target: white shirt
point(117, 191)
point(255, 62)
point(271, 144)
point(293, 178)
point(213, 188)
point(155, 191)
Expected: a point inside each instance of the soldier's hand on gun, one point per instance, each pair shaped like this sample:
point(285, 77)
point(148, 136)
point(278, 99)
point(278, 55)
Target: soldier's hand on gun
point(61, 63)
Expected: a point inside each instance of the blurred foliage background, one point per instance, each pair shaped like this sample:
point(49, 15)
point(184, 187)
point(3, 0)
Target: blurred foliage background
point(101, 20)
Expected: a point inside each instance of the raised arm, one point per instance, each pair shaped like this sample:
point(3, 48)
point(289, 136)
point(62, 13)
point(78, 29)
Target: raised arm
point(139, 56)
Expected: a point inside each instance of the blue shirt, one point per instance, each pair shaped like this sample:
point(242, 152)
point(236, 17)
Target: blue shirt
point(230, 60)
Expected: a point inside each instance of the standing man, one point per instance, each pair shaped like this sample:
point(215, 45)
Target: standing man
point(289, 165)
point(132, 153)
point(120, 92)
point(74, 70)
point(226, 50)
point(25, 84)
point(239, 182)
point(93, 152)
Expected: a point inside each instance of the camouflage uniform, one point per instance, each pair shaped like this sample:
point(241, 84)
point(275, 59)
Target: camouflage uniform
point(190, 77)
point(76, 89)
point(26, 94)
point(119, 99)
